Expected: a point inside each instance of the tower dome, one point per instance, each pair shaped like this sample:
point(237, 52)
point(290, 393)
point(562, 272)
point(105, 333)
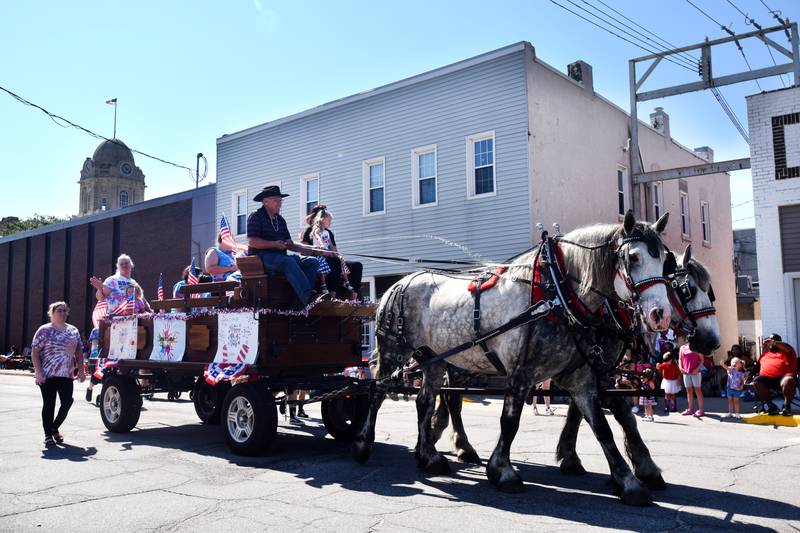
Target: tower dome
point(110, 178)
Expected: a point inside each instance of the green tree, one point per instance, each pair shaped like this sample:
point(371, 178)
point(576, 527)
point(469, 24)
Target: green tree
point(11, 225)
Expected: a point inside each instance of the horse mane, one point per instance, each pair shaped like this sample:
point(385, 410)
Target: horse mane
point(700, 273)
point(594, 268)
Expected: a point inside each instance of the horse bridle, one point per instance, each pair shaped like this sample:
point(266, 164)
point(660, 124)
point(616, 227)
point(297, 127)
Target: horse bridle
point(681, 293)
point(636, 288)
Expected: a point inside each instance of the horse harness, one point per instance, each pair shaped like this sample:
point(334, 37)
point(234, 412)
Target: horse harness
point(681, 293)
point(551, 297)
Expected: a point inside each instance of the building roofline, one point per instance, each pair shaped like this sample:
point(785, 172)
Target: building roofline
point(111, 213)
point(431, 74)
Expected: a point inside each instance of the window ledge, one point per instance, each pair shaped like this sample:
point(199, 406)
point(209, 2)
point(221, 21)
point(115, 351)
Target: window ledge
point(707, 244)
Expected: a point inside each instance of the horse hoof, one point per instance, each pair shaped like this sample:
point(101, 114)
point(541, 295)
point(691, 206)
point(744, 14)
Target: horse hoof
point(469, 456)
point(634, 493)
point(360, 451)
point(572, 468)
point(655, 482)
point(507, 480)
point(436, 466)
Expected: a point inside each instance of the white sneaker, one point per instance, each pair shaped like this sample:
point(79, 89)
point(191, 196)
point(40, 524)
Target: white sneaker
point(737, 416)
point(634, 409)
point(729, 415)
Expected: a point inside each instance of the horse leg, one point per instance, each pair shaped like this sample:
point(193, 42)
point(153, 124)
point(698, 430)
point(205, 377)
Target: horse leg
point(566, 453)
point(441, 418)
point(499, 469)
point(584, 394)
point(365, 437)
point(643, 465)
point(428, 459)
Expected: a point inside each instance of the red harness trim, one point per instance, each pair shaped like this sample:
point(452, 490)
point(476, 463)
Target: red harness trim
point(494, 277)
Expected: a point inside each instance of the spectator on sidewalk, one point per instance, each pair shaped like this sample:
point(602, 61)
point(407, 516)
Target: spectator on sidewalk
point(777, 370)
point(689, 363)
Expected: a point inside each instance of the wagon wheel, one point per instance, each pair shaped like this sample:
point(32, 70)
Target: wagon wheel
point(249, 419)
point(343, 416)
point(208, 400)
point(120, 403)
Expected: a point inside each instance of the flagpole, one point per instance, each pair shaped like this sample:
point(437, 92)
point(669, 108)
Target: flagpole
point(115, 118)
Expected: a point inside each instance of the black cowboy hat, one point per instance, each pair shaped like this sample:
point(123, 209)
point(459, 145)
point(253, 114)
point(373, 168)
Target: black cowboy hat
point(266, 192)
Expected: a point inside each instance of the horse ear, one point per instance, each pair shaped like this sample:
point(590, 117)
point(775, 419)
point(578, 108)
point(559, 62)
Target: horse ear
point(687, 256)
point(670, 264)
point(629, 222)
point(661, 224)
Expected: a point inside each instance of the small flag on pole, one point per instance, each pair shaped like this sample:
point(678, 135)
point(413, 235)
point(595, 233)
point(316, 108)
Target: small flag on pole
point(192, 279)
point(227, 236)
point(161, 286)
point(100, 310)
point(113, 101)
point(126, 307)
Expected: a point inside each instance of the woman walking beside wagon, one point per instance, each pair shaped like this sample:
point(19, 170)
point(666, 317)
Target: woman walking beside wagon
point(57, 360)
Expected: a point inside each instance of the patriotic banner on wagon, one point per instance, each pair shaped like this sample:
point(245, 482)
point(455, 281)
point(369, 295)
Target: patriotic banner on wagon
point(169, 338)
point(102, 365)
point(123, 339)
point(237, 346)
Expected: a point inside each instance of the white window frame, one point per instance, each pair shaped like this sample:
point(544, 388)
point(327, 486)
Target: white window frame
point(470, 145)
point(127, 199)
point(683, 201)
point(368, 327)
point(658, 199)
point(304, 193)
point(623, 191)
point(415, 178)
point(365, 182)
point(705, 221)
point(235, 212)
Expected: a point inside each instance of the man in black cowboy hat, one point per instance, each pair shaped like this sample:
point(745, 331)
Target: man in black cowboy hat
point(268, 237)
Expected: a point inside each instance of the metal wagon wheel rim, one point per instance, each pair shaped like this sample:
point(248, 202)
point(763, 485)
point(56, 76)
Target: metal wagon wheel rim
point(240, 419)
point(112, 404)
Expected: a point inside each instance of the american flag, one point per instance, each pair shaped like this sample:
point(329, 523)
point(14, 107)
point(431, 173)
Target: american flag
point(161, 286)
point(192, 279)
point(227, 236)
point(100, 310)
point(126, 307)
point(113, 101)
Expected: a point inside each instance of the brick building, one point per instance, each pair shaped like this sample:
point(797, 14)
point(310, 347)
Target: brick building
point(774, 121)
point(54, 263)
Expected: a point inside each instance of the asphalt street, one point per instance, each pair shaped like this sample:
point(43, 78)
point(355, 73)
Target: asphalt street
point(173, 473)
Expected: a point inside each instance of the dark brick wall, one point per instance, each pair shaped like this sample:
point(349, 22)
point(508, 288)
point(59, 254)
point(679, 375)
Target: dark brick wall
point(158, 240)
point(58, 242)
point(36, 293)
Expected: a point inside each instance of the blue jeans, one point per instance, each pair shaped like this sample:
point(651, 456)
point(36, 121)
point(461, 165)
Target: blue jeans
point(301, 273)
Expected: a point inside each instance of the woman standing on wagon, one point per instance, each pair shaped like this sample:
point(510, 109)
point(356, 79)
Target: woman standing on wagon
point(57, 359)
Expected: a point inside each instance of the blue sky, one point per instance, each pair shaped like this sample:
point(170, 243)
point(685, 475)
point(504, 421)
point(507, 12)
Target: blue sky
point(187, 72)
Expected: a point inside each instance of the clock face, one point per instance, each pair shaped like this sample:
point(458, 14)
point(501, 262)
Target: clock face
point(126, 169)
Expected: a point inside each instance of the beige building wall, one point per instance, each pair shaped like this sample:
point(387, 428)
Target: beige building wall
point(577, 142)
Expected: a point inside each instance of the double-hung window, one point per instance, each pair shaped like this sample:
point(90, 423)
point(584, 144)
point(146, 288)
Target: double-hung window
point(423, 169)
point(481, 165)
point(622, 186)
point(685, 222)
point(374, 176)
point(240, 212)
point(658, 202)
point(705, 221)
point(310, 192)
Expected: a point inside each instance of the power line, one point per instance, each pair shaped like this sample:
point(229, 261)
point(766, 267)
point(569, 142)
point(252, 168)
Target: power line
point(777, 16)
point(618, 36)
point(731, 115)
point(56, 118)
point(741, 204)
point(751, 21)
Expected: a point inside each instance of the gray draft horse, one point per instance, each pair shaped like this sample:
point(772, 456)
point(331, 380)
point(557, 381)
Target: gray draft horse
point(693, 315)
point(434, 312)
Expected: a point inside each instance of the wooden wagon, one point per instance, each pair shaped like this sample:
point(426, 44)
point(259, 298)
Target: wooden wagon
point(295, 351)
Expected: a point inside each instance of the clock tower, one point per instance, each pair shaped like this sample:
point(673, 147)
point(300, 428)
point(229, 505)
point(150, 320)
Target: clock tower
point(110, 179)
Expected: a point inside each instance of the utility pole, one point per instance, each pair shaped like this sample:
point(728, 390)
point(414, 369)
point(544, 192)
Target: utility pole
point(708, 81)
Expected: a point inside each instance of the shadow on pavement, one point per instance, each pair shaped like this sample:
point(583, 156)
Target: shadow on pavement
point(68, 452)
point(305, 452)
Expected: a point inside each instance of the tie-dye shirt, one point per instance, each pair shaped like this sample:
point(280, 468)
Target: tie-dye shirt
point(57, 350)
point(119, 286)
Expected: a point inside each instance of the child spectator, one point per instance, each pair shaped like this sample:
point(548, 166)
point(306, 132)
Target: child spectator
point(689, 363)
point(319, 221)
point(648, 400)
point(670, 382)
point(736, 377)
